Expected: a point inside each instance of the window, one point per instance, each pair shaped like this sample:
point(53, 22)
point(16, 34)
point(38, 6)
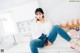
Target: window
point(7, 23)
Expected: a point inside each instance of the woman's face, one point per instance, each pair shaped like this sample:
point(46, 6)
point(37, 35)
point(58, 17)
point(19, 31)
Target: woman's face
point(39, 15)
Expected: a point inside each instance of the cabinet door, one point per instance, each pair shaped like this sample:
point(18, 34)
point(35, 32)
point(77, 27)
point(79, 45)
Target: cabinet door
point(69, 52)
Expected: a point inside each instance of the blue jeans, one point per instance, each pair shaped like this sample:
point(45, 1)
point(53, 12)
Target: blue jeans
point(38, 43)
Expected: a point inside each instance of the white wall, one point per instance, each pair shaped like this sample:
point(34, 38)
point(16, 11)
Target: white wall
point(60, 11)
point(20, 9)
point(6, 4)
point(24, 12)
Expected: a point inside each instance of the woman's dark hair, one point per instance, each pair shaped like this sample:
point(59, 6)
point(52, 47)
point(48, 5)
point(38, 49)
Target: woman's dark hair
point(39, 10)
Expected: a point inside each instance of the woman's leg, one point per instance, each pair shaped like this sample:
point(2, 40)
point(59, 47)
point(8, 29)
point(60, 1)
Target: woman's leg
point(58, 30)
point(35, 44)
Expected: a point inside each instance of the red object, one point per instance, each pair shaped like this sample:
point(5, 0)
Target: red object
point(72, 47)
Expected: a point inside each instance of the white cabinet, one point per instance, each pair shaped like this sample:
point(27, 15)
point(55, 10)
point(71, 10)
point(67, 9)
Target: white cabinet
point(68, 52)
point(58, 52)
point(49, 52)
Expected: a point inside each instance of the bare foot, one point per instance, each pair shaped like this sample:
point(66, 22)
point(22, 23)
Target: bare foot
point(72, 41)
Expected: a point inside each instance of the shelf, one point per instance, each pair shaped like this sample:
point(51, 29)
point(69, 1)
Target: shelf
point(69, 26)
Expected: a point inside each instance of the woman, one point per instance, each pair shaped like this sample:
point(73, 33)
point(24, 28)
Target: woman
point(44, 33)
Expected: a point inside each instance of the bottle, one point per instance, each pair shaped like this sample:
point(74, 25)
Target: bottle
point(77, 21)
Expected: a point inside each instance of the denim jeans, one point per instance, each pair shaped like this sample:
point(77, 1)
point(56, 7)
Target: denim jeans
point(38, 43)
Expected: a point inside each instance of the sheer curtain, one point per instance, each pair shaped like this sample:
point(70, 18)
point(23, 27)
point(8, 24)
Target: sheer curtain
point(7, 23)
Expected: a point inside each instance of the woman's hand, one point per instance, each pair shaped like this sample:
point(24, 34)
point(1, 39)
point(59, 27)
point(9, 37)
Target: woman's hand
point(49, 43)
